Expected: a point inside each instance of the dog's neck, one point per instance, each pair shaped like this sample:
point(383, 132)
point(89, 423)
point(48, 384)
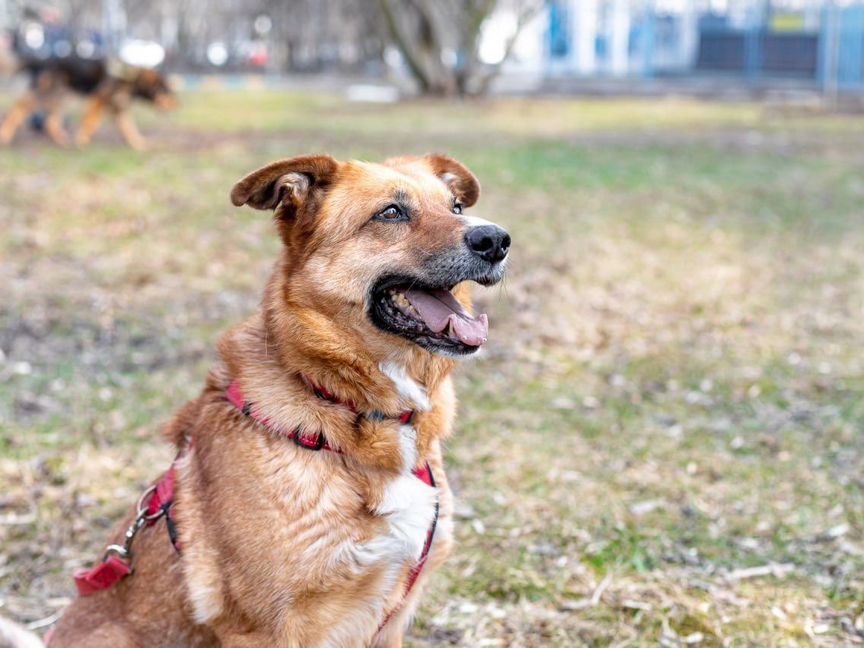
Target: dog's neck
point(304, 341)
point(278, 352)
point(390, 384)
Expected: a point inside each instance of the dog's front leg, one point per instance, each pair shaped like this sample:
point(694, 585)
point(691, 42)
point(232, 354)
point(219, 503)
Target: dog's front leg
point(92, 120)
point(20, 110)
point(54, 127)
point(130, 131)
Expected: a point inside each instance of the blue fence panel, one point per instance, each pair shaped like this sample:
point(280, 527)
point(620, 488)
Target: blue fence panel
point(850, 48)
point(752, 53)
point(559, 30)
point(756, 53)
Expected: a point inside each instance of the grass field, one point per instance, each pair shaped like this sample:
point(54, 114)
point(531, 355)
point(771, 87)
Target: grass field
point(663, 441)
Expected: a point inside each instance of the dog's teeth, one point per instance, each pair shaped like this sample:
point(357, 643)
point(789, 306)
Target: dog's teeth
point(401, 300)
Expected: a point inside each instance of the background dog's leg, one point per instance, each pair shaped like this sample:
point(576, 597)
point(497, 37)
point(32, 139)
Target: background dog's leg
point(91, 121)
point(52, 94)
point(20, 110)
point(130, 131)
point(54, 126)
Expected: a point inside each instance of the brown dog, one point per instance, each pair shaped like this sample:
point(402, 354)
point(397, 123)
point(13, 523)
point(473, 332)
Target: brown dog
point(309, 492)
point(108, 89)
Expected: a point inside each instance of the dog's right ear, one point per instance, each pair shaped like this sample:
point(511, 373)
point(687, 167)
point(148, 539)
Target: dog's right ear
point(284, 182)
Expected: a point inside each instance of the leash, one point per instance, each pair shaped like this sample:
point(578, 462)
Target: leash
point(116, 562)
point(157, 501)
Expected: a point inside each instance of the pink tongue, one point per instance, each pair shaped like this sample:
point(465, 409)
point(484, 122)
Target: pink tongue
point(440, 309)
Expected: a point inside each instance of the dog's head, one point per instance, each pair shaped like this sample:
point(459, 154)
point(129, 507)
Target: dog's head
point(152, 86)
point(384, 249)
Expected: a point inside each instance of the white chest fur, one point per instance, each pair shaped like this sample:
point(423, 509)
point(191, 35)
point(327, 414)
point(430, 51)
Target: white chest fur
point(406, 386)
point(408, 506)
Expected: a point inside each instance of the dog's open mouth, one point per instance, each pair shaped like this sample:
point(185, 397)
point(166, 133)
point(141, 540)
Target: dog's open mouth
point(432, 317)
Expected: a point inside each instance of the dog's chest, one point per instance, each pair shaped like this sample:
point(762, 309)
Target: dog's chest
point(409, 506)
point(418, 533)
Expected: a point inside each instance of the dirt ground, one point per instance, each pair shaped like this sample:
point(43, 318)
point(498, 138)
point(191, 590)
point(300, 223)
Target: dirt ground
point(662, 443)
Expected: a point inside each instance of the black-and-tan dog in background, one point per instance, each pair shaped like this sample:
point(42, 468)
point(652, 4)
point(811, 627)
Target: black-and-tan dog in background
point(109, 90)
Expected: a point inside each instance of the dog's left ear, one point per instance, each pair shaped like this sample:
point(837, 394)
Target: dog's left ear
point(455, 175)
point(284, 182)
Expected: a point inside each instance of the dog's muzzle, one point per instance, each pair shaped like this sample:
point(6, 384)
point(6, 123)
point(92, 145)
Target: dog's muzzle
point(420, 307)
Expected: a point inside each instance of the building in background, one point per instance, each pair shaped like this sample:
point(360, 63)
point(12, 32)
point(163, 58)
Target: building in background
point(815, 44)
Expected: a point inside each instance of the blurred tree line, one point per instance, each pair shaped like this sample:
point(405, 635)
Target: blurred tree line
point(436, 42)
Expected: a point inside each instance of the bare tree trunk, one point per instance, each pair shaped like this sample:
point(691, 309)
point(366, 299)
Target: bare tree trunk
point(431, 33)
point(478, 13)
point(401, 43)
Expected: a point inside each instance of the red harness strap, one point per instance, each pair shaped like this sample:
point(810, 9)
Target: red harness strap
point(324, 394)
point(237, 399)
point(106, 574)
point(116, 564)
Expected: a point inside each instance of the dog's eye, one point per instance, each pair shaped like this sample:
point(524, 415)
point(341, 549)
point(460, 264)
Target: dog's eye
point(457, 208)
point(391, 213)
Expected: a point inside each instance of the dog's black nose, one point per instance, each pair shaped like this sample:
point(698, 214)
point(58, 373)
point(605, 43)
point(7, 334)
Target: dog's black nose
point(489, 242)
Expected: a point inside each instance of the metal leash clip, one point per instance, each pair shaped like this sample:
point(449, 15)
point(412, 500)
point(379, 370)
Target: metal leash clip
point(124, 551)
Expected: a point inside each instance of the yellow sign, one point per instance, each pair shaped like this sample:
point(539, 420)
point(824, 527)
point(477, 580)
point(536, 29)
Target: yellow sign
point(787, 22)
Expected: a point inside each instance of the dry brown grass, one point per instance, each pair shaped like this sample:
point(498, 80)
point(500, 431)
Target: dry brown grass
point(662, 443)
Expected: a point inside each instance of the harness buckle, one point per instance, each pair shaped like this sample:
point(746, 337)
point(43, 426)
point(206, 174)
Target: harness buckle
point(408, 417)
point(119, 550)
point(124, 551)
point(144, 505)
point(305, 442)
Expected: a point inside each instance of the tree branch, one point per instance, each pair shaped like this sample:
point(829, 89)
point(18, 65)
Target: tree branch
point(527, 14)
point(401, 42)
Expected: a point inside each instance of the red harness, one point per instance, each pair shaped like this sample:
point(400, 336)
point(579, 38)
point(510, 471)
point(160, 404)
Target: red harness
point(117, 561)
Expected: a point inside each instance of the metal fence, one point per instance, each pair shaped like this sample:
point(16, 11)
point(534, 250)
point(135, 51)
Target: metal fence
point(822, 47)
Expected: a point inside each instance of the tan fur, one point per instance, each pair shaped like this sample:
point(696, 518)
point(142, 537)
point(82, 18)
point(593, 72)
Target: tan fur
point(283, 546)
